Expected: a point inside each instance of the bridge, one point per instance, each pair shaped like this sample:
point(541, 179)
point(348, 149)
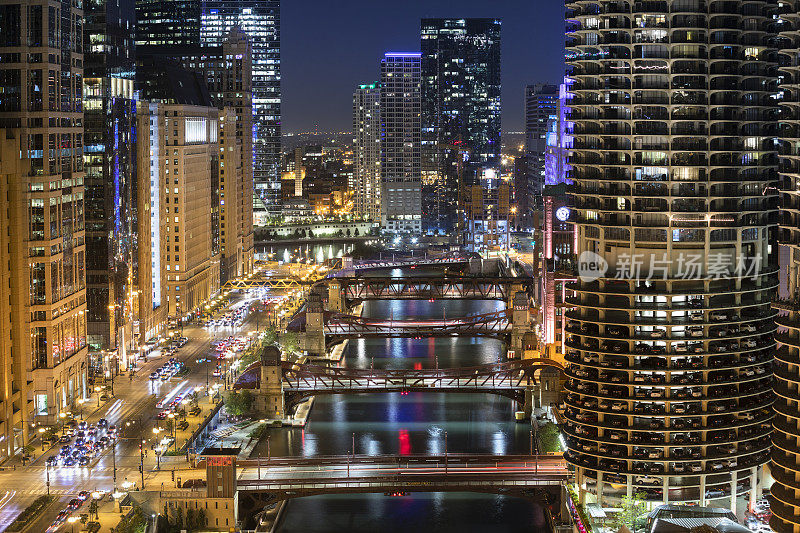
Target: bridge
point(510, 379)
point(426, 288)
point(439, 260)
point(291, 477)
point(339, 326)
point(260, 282)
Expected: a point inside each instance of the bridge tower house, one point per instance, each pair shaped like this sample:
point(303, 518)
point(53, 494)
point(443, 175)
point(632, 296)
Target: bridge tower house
point(520, 323)
point(270, 393)
point(336, 296)
point(315, 325)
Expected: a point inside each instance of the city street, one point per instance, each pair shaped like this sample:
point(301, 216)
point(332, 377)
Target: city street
point(132, 409)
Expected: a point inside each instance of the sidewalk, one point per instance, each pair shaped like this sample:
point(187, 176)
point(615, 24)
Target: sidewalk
point(42, 450)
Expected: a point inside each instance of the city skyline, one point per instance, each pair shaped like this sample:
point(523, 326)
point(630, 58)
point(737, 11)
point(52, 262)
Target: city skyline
point(353, 44)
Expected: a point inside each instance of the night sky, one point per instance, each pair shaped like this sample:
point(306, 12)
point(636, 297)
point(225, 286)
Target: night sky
point(330, 46)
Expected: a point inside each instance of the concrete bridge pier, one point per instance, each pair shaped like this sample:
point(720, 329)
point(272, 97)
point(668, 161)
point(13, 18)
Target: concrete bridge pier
point(315, 325)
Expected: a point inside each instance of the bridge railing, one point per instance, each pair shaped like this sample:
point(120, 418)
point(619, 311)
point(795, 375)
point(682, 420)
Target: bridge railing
point(412, 459)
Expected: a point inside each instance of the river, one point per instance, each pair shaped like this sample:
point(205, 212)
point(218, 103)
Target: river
point(411, 423)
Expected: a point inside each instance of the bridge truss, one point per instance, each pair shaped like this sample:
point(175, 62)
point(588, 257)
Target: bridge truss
point(430, 288)
point(508, 379)
point(496, 324)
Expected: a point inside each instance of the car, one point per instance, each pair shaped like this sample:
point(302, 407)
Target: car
point(65, 439)
point(74, 503)
point(102, 423)
point(112, 428)
point(69, 461)
point(84, 495)
point(84, 460)
point(154, 375)
point(52, 460)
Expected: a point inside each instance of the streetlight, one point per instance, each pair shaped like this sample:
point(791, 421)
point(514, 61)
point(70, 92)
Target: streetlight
point(72, 520)
point(41, 436)
point(156, 431)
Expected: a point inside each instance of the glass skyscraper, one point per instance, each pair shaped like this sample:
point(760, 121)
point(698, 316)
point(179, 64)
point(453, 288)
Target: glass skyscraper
point(207, 23)
point(260, 20)
point(109, 160)
point(460, 112)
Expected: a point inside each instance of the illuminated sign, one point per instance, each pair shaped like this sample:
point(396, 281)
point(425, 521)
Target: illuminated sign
point(562, 213)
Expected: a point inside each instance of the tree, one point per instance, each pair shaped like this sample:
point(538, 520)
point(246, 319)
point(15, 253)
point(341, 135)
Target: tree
point(348, 232)
point(548, 438)
point(93, 508)
point(179, 518)
point(630, 509)
point(355, 233)
point(290, 343)
point(239, 403)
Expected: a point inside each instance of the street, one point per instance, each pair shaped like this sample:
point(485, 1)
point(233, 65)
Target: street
point(132, 409)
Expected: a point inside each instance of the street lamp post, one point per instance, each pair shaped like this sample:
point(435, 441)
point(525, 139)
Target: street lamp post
point(141, 460)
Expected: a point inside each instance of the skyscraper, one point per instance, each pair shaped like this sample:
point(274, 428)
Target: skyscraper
point(401, 208)
point(109, 159)
point(44, 250)
point(461, 112)
point(227, 72)
point(556, 240)
point(670, 346)
point(785, 465)
point(367, 150)
point(170, 22)
point(540, 107)
point(260, 20)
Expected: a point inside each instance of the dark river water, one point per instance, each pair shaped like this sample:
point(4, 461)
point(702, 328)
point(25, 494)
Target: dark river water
point(410, 424)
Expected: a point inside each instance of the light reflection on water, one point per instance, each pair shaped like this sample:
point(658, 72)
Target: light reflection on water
point(411, 424)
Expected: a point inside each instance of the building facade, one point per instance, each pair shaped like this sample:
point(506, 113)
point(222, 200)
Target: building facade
point(540, 107)
point(184, 160)
point(556, 243)
point(41, 79)
point(227, 71)
point(460, 114)
point(785, 465)
point(401, 169)
point(671, 343)
point(367, 150)
point(260, 20)
point(172, 23)
point(109, 161)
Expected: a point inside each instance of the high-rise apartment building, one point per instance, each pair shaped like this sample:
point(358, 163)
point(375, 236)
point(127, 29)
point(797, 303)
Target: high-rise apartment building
point(260, 20)
point(401, 203)
point(214, 21)
point(540, 107)
point(785, 465)
point(460, 114)
point(367, 150)
point(44, 255)
point(109, 161)
point(670, 346)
